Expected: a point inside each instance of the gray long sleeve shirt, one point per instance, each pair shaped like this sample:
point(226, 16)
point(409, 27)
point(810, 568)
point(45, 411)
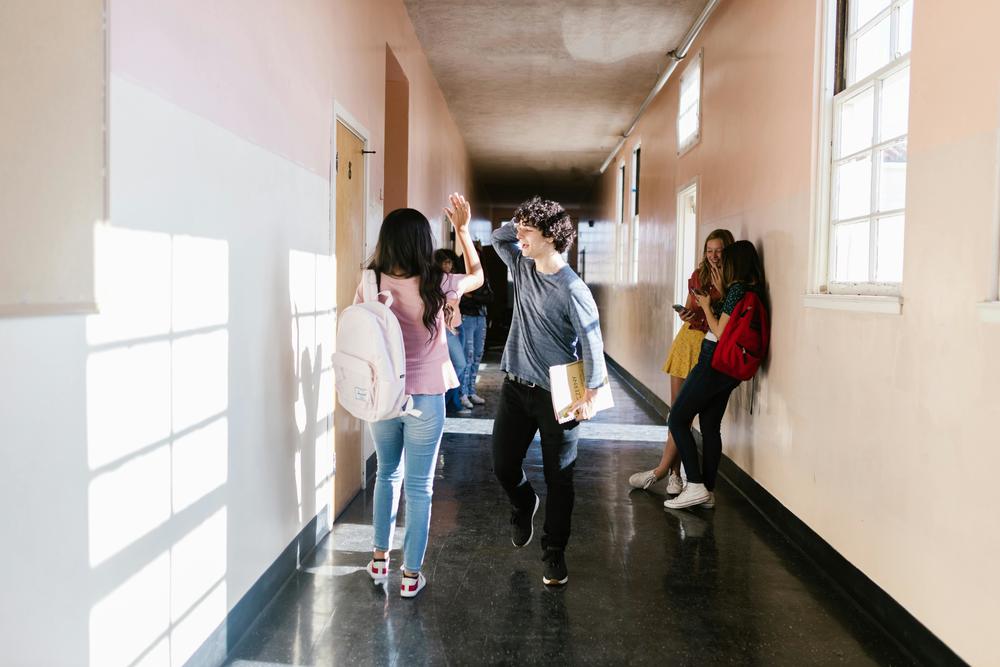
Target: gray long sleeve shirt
point(552, 312)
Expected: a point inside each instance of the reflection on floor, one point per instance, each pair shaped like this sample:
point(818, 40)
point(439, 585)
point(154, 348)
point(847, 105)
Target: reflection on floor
point(647, 585)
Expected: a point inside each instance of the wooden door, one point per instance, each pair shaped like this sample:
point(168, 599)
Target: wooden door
point(350, 234)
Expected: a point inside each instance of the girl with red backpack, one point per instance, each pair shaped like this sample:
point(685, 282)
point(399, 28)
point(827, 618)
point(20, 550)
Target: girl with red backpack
point(732, 351)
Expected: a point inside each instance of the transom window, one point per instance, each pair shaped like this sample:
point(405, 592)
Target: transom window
point(689, 106)
point(869, 149)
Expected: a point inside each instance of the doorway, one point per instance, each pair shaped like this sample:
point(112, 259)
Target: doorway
point(350, 247)
point(687, 246)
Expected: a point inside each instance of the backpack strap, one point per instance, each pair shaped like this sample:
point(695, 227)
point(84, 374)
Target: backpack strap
point(370, 288)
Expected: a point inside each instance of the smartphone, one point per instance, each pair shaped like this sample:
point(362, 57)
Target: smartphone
point(699, 292)
point(679, 308)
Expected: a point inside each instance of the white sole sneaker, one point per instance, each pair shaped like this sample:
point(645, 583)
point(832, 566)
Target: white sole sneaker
point(378, 570)
point(674, 484)
point(693, 494)
point(477, 400)
point(642, 480)
point(411, 586)
point(710, 503)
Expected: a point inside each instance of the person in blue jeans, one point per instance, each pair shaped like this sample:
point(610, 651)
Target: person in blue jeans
point(406, 447)
point(449, 262)
point(473, 307)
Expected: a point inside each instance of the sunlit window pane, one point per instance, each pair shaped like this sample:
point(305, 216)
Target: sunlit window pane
point(889, 263)
point(892, 178)
point(905, 27)
point(687, 126)
point(690, 90)
point(872, 49)
point(865, 10)
point(851, 252)
point(856, 120)
point(894, 105)
point(854, 181)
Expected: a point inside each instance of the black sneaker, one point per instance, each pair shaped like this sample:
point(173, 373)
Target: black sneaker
point(555, 568)
point(522, 525)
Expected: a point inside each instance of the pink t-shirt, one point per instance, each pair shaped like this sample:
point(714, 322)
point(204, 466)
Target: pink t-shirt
point(428, 366)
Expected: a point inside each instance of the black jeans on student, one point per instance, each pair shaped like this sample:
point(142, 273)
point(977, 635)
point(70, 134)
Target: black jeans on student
point(524, 410)
point(705, 393)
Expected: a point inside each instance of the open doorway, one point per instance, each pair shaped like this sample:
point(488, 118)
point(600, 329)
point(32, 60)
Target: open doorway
point(687, 245)
point(397, 133)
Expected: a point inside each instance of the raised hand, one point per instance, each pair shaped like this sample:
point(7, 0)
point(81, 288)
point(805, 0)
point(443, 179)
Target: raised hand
point(460, 212)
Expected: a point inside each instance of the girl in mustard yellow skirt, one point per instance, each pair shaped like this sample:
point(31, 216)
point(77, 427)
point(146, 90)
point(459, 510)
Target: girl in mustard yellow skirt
point(684, 352)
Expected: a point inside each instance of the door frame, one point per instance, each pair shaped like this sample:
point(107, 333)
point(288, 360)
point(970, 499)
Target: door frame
point(348, 120)
point(682, 242)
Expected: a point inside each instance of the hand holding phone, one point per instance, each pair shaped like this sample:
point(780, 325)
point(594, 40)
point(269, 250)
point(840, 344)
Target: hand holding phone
point(679, 308)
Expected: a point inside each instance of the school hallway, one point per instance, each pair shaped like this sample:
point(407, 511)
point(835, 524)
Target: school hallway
point(647, 585)
point(189, 192)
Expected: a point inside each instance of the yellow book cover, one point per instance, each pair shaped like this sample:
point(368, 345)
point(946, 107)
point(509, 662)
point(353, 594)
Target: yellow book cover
point(568, 384)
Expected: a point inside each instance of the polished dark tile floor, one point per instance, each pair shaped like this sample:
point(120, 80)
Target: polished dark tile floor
point(647, 585)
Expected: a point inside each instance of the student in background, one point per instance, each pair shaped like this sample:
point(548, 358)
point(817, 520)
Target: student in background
point(706, 391)
point(553, 311)
point(448, 262)
point(473, 307)
point(684, 352)
point(404, 263)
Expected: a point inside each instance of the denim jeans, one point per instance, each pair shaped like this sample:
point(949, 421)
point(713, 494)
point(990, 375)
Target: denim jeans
point(522, 411)
point(705, 393)
point(406, 448)
point(474, 330)
point(456, 352)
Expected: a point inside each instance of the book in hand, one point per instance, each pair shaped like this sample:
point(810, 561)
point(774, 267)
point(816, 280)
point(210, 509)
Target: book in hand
point(568, 384)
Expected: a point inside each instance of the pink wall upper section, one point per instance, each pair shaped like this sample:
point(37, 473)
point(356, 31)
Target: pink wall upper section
point(856, 413)
point(269, 72)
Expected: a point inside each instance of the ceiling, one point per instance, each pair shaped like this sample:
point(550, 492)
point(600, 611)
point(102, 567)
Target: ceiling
point(543, 89)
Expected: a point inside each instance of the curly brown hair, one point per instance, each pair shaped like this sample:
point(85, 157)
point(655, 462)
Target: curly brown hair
point(548, 217)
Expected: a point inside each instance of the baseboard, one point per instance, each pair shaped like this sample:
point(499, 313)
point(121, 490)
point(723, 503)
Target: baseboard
point(221, 642)
point(647, 395)
point(910, 634)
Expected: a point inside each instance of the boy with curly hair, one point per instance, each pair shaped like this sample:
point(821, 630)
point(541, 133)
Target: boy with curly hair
point(553, 312)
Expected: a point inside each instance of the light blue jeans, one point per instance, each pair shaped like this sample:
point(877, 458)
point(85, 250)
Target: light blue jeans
point(456, 352)
point(474, 330)
point(406, 448)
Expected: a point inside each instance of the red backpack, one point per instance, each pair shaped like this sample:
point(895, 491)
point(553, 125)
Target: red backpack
point(743, 345)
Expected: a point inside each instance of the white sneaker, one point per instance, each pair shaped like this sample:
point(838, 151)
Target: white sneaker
point(466, 403)
point(477, 399)
point(710, 503)
point(412, 584)
point(642, 480)
point(378, 569)
point(674, 483)
point(693, 494)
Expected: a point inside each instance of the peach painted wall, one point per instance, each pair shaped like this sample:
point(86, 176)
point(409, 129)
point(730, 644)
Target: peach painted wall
point(876, 430)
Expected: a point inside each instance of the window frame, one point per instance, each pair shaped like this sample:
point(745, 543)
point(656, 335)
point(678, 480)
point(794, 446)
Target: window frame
point(620, 198)
point(633, 232)
point(836, 53)
point(687, 143)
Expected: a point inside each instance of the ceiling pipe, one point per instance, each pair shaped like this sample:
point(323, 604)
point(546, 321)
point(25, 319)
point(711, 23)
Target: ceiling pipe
point(676, 56)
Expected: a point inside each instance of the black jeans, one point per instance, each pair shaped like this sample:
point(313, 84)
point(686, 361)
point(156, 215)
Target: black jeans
point(523, 411)
point(705, 393)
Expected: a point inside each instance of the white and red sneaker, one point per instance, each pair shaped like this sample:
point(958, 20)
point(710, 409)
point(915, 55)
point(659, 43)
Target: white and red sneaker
point(412, 584)
point(378, 569)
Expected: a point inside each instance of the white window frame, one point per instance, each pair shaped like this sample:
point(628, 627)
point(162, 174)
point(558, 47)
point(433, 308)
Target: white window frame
point(687, 143)
point(633, 231)
point(620, 222)
point(823, 291)
point(685, 246)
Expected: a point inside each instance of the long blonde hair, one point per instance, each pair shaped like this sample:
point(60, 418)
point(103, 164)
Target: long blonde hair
point(704, 270)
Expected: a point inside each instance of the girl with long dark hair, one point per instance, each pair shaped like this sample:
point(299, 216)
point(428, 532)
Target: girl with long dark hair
point(685, 350)
point(404, 263)
point(706, 391)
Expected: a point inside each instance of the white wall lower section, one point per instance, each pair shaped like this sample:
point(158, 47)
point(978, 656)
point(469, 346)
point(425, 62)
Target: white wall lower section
point(159, 456)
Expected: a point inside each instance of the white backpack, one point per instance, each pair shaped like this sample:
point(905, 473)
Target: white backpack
point(370, 362)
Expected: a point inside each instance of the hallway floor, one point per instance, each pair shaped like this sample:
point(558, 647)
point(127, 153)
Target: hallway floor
point(647, 585)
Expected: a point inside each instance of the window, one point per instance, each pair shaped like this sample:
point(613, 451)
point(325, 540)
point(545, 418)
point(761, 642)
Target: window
point(633, 268)
point(689, 107)
point(865, 214)
point(619, 223)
